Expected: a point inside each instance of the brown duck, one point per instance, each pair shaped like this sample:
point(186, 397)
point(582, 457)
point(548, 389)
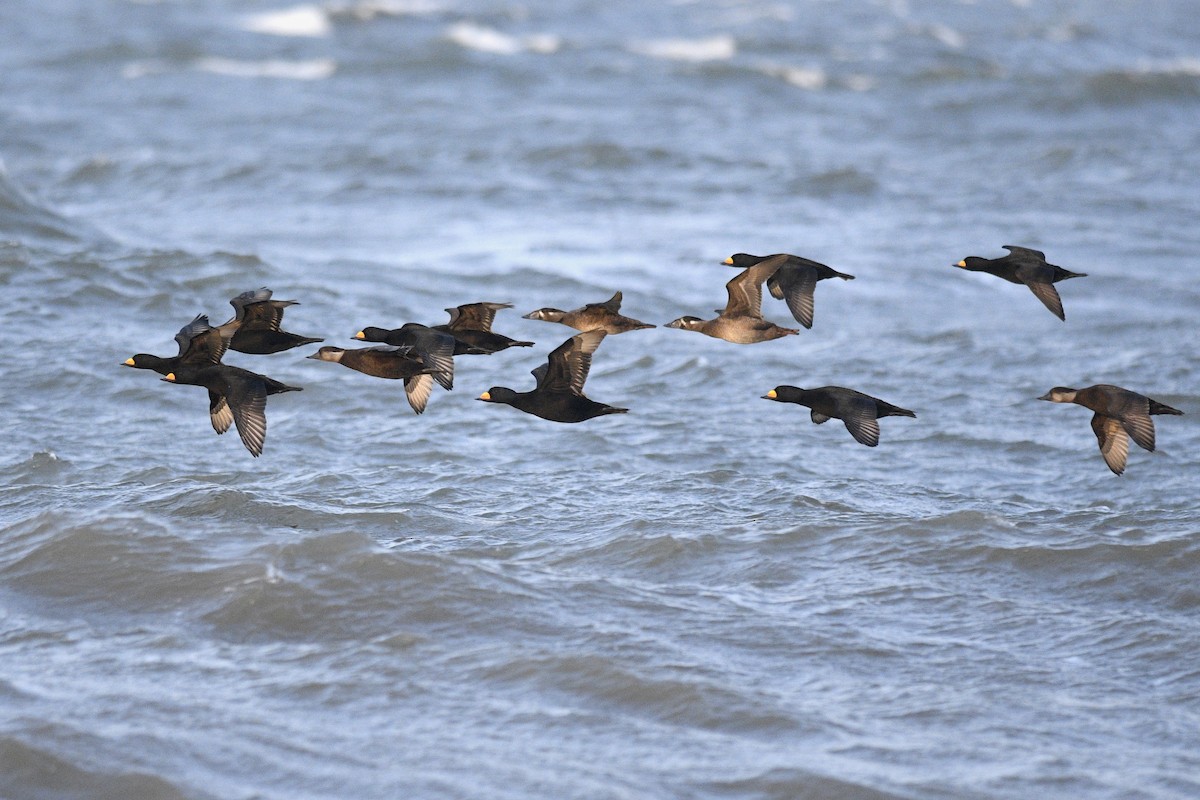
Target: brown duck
point(741, 322)
point(1121, 414)
point(394, 363)
point(794, 283)
point(592, 317)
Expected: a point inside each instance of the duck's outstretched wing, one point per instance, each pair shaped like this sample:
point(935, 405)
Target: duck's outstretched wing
point(247, 401)
point(474, 316)
point(200, 343)
point(745, 289)
point(859, 416)
point(1045, 291)
point(1113, 441)
point(417, 389)
point(1024, 252)
point(797, 285)
point(566, 368)
point(218, 412)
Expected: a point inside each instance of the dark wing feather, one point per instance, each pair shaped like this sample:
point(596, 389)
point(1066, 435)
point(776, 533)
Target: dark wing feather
point(475, 316)
point(436, 349)
point(190, 331)
point(1049, 296)
point(1025, 252)
point(206, 345)
point(438, 355)
point(745, 289)
point(264, 316)
point(1114, 443)
point(244, 299)
point(1140, 428)
point(247, 399)
point(859, 416)
point(568, 365)
point(798, 284)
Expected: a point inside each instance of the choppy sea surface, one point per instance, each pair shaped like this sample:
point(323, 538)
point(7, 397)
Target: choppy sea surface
point(708, 597)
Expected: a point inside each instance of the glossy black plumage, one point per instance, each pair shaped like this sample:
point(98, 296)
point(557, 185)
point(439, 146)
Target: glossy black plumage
point(858, 411)
point(794, 282)
point(236, 396)
point(200, 344)
point(254, 328)
point(471, 325)
point(1120, 414)
point(412, 334)
point(1029, 267)
point(558, 395)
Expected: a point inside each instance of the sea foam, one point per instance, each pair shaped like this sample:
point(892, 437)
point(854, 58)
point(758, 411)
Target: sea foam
point(712, 48)
point(297, 21)
point(310, 70)
point(489, 40)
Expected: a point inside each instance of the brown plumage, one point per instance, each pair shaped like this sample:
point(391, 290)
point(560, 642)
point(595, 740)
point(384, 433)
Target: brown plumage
point(393, 363)
point(741, 322)
point(1120, 414)
point(604, 316)
point(794, 282)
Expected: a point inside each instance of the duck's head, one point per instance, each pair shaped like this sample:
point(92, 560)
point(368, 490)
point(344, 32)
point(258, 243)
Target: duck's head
point(371, 335)
point(498, 394)
point(144, 361)
point(328, 353)
point(1060, 394)
point(741, 260)
point(546, 315)
point(686, 323)
point(782, 394)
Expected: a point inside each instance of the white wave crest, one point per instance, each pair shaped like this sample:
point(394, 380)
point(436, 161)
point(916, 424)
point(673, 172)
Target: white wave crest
point(298, 21)
point(1184, 65)
point(810, 78)
point(712, 48)
point(140, 69)
point(947, 36)
point(488, 40)
point(367, 10)
point(815, 79)
point(312, 70)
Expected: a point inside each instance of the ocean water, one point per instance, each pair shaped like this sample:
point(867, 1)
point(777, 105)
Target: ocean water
point(708, 597)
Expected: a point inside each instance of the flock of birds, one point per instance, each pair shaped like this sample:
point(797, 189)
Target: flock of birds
point(423, 355)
